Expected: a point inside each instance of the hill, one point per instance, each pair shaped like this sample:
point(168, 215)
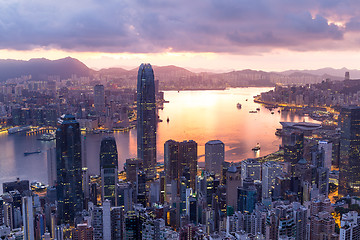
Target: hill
point(40, 68)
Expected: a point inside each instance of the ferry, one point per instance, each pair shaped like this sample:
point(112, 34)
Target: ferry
point(252, 111)
point(256, 148)
point(238, 106)
point(34, 152)
point(168, 120)
point(258, 109)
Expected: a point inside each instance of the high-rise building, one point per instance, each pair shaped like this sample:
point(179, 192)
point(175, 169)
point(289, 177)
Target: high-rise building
point(350, 226)
point(233, 181)
point(101, 221)
point(117, 223)
point(188, 156)
point(250, 168)
point(322, 226)
point(247, 196)
point(180, 159)
point(69, 169)
point(133, 225)
point(214, 156)
point(349, 166)
point(1, 211)
point(132, 166)
point(8, 215)
point(327, 147)
point(28, 218)
point(270, 170)
point(293, 144)
point(140, 191)
point(125, 193)
point(82, 232)
point(39, 224)
point(51, 165)
point(109, 169)
point(19, 185)
point(146, 119)
point(152, 229)
point(99, 100)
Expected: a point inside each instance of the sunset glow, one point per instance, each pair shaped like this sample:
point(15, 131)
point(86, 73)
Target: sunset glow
point(219, 36)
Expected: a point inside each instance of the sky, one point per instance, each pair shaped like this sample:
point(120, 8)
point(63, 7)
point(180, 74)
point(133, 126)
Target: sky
point(270, 35)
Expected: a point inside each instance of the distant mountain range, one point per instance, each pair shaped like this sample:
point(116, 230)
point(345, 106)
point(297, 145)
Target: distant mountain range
point(41, 68)
point(355, 74)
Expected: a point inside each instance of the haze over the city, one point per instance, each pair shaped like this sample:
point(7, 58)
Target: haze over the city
point(269, 35)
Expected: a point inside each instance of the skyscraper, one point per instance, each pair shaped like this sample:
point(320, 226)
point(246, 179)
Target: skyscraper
point(28, 218)
point(109, 169)
point(293, 144)
point(99, 100)
point(146, 119)
point(180, 159)
point(270, 170)
point(233, 181)
point(214, 156)
point(250, 168)
point(247, 196)
point(349, 175)
point(101, 221)
point(69, 169)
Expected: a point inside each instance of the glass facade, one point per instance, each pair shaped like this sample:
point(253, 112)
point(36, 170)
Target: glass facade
point(293, 144)
point(180, 159)
point(349, 166)
point(109, 169)
point(69, 169)
point(146, 119)
point(247, 196)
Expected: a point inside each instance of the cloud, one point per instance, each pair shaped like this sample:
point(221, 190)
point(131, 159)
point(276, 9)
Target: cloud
point(151, 26)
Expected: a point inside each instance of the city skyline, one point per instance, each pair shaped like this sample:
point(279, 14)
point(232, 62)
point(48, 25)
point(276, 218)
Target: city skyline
point(281, 192)
point(177, 120)
point(266, 35)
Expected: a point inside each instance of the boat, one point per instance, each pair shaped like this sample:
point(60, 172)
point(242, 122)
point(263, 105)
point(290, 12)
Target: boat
point(258, 109)
point(272, 112)
point(246, 100)
point(34, 152)
point(168, 120)
point(256, 148)
point(238, 106)
point(252, 111)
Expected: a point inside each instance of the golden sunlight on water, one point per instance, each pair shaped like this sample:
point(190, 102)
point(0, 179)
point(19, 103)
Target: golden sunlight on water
point(193, 115)
point(207, 115)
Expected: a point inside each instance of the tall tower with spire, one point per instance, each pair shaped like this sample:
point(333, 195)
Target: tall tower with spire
point(146, 119)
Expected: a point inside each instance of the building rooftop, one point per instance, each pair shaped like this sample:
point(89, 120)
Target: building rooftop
point(213, 142)
point(303, 126)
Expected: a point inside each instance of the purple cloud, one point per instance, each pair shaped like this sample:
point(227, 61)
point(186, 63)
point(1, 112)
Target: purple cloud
point(145, 26)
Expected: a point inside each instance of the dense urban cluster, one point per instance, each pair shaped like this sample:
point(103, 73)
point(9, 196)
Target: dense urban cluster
point(325, 94)
point(26, 101)
point(309, 190)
